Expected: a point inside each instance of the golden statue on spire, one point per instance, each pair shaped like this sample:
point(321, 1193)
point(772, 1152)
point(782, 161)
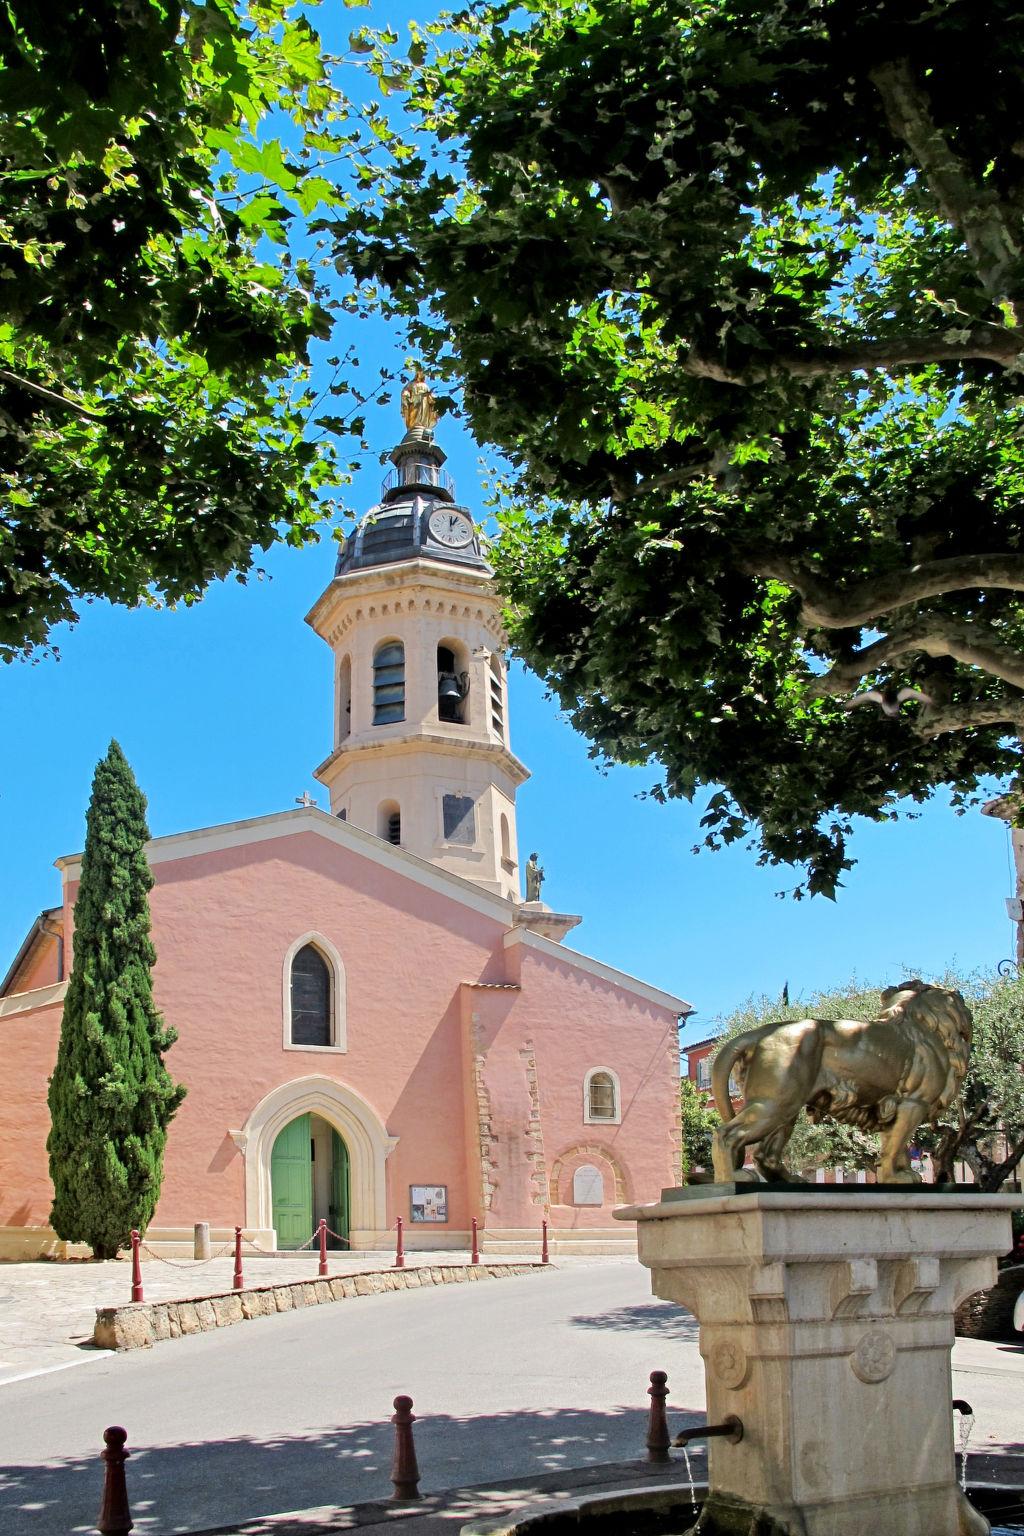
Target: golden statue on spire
point(419, 407)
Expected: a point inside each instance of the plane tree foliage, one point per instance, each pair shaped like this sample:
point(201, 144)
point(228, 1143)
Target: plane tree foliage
point(155, 323)
point(735, 286)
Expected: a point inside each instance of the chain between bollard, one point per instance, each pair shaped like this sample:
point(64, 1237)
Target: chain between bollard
point(115, 1517)
point(190, 1264)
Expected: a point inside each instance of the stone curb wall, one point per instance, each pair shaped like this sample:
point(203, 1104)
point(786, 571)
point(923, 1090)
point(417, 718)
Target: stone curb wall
point(989, 1314)
point(139, 1324)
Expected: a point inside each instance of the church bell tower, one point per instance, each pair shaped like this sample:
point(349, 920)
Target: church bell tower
point(421, 746)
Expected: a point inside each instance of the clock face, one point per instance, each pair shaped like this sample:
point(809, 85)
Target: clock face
point(451, 528)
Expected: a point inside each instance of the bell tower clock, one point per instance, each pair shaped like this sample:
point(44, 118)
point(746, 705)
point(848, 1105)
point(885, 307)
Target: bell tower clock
point(421, 751)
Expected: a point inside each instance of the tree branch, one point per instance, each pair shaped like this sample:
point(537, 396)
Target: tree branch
point(826, 608)
point(983, 343)
point(1008, 711)
point(934, 636)
point(974, 211)
point(49, 395)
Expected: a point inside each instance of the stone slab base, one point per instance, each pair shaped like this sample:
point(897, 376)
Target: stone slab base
point(561, 1240)
point(21, 1245)
point(141, 1324)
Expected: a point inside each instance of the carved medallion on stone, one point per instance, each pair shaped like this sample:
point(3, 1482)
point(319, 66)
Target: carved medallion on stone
point(728, 1361)
point(874, 1357)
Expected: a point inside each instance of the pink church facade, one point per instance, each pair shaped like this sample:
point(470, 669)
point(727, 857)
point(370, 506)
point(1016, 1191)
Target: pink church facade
point(462, 1047)
point(366, 1031)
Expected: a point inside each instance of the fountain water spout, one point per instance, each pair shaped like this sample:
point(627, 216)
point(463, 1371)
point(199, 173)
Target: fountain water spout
point(731, 1429)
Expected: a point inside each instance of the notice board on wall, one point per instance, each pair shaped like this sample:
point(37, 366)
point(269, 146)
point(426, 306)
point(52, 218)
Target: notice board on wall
point(428, 1202)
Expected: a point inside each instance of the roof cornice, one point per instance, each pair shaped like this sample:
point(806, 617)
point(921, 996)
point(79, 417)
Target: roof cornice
point(304, 819)
point(262, 829)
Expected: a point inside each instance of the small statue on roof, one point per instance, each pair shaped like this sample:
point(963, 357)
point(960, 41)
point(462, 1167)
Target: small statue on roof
point(534, 878)
point(419, 406)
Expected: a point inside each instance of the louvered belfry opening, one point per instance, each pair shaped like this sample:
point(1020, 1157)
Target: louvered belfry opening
point(389, 683)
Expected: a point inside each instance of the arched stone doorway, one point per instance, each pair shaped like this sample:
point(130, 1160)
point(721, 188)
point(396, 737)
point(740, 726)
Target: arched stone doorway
point(309, 1182)
point(359, 1127)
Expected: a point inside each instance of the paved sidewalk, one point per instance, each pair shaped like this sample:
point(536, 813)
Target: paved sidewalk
point(47, 1309)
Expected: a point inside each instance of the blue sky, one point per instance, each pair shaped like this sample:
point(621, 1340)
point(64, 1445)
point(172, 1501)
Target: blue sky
point(224, 709)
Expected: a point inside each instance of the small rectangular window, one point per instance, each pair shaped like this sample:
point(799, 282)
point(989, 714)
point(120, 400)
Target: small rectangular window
point(458, 819)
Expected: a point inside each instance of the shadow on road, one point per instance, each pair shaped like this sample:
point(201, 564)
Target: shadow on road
point(662, 1317)
point(195, 1487)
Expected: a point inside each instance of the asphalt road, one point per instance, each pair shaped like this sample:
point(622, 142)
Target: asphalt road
point(510, 1379)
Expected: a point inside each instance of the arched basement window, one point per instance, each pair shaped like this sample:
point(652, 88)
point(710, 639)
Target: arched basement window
point(389, 683)
point(601, 1096)
point(311, 998)
point(587, 1185)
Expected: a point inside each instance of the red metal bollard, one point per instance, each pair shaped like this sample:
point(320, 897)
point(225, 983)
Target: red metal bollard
point(474, 1257)
point(658, 1439)
point(238, 1283)
point(115, 1516)
point(405, 1473)
point(323, 1248)
point(544, 1243)
point(136, 1267)
point(399, 1246)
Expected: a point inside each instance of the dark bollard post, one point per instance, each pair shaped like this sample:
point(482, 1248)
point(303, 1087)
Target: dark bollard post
point(474, 1257)
point(136, 1267)
point(323, 1248)
point(658, 1440)
point(115, 1516)
point(238, 1283)
point(544, 1243)
point(405, 1473)
point(399, 1246)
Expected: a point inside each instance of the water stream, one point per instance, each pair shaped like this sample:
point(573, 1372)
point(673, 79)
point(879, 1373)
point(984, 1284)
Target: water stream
point(963, 1431)
point(689, 1474)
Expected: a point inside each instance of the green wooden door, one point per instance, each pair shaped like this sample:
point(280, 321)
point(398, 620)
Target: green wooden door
point(337, 1220)
point(291, 1182)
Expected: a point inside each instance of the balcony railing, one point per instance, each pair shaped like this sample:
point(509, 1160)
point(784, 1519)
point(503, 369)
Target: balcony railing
point(417, 472)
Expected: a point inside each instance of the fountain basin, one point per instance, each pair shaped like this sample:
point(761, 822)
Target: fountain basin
point(669, 1510)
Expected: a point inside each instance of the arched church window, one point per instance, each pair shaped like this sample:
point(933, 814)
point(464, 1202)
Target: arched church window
point(389, 683)
point(389, 822)
point(452, 686)
point(506, 843)
point(311, 998)
point(601, 1096)
point(497, 699)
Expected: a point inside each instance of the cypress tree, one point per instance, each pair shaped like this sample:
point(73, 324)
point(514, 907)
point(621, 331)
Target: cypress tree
point(111, 1097)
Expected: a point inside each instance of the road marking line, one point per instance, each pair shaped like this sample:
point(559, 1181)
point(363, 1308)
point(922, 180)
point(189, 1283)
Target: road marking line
point(48, 1370)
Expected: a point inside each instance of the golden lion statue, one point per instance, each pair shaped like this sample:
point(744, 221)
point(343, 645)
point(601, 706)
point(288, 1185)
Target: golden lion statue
point(889, 1074)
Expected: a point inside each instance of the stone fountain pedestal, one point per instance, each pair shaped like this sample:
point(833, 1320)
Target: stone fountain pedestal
point(826, 1323)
